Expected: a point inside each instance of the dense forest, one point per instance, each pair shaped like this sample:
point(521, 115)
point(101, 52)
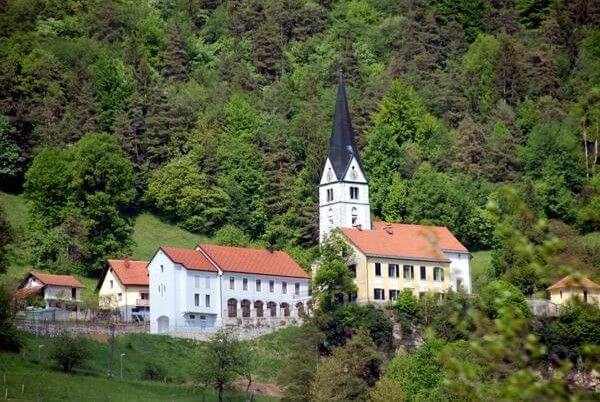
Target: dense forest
point(216, 115)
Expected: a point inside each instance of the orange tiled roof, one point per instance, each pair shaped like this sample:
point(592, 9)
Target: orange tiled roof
point(575, 282)
point(189, 258)
point(438, 234)
point(253, 261)
point(379, 243)
point(130, 273)
point(57, 280)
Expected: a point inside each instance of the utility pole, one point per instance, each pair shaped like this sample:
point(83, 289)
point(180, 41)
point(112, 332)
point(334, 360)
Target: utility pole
point(122, 354)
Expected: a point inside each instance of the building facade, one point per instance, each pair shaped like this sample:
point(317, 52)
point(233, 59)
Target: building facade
point(123, 286)
point(212, 286)
point(59, 292)
point(571, 287)
point(387, 257)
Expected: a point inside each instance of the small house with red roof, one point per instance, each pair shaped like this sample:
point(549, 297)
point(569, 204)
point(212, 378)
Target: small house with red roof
point(388, 257)
point(210, 286)
point(55, 290)
point(575, 286)
point(123, 287)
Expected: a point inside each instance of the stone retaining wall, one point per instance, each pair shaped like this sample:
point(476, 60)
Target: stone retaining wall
point(47, 328)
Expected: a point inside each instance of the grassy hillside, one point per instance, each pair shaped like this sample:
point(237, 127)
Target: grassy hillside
point(150, 232)
point(479, 264)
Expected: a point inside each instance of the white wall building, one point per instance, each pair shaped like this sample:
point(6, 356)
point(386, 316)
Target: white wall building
point(211, 286)
point(123, 286)
point(56, 290)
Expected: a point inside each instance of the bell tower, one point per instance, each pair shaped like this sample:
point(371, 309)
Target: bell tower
point(344, 189)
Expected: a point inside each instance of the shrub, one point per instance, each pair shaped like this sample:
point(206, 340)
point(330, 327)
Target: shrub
point(407, 309)
point(10, 339)
point(500, 294)
point(68, 351)
point(153, 371)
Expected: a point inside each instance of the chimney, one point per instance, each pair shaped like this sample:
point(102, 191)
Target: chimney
point(388, 229)
point(126, 262)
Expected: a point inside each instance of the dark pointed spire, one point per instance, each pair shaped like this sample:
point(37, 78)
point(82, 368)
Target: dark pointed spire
point(341, 143)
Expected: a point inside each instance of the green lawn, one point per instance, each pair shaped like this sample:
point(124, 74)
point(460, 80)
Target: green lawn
point(28, 381)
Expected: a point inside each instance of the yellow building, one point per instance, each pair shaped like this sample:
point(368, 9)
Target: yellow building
point(123, 286)
point(390, 258)
point(572, 286)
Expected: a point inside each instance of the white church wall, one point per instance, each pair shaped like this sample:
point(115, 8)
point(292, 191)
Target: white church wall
point(460, 269)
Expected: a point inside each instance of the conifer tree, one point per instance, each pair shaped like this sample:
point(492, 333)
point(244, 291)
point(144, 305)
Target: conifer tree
point(175, 59)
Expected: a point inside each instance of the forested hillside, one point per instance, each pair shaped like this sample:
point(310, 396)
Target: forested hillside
point(216, 114)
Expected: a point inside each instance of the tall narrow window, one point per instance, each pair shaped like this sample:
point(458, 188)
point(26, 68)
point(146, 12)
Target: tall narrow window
point(354, 193)
point(354, 216)
point(409, 272)
point(111, 284)
point(378, 294)
point(245, 283)
point(329, 194)
point(352, 268)
point(393, 270)
point(296, 288)
point(330, 217)
point(377, 269)
point(271, 286)
point(423, 273)
point(258, 284)
point(207, 300)
point(196, 299)
point(284, 287)
point(438, 274)
point(232, 283)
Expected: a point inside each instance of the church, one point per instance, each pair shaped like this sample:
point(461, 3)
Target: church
point(388, 257)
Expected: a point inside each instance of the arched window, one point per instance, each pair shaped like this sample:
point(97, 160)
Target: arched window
point(354, 216)
point(232, 308)
point(300, 308)
point(286, 309)
point(272, 308)
point(245, 308)
point(258, 306)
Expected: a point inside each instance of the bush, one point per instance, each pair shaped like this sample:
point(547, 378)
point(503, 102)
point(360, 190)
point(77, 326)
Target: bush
point(500, 294)
point(153, 371)
point(68, 351)
point(407, 309)
point(577, 325)
point(10, 339)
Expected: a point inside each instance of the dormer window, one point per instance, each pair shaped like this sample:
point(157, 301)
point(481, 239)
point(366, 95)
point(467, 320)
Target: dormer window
point(354, 193)
point(329, 194)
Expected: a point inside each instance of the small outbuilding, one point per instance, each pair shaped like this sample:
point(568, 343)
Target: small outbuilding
point(575, 286)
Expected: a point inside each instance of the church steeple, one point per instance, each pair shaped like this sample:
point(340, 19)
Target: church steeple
point(342, 146)
point(344, 189)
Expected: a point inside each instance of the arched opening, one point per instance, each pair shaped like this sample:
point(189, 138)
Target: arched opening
point(258, 306)
point(286, 309)
point(245, 308)
point(330, 216)
point(232, 308)
point(300, 308)
point(354, 216)
point(163, 324)
point(272, 308)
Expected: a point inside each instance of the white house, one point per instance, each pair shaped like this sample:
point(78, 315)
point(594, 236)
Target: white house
point(441, 260)
point(123, 286)
point(56, 290)
point(211, 286)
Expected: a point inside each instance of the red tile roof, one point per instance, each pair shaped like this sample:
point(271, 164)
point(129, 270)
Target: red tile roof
point(574, 281)
point(24, 293)
point(437, 234)
point(253, 261)
point(57, 280)
point(189, 258)
point(130, 273)
point(381, 244)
